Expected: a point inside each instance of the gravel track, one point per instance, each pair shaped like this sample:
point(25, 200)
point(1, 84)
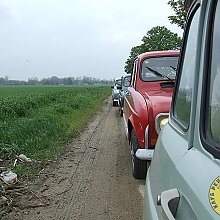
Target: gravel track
point(92, 178)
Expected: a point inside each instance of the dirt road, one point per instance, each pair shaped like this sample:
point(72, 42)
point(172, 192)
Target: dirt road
point(92, 179)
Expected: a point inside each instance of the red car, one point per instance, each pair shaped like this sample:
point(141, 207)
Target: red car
point(148, 97)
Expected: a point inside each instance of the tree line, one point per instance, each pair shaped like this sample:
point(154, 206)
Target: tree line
point(54, 80)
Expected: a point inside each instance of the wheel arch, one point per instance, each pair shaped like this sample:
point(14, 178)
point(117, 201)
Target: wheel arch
point(130, 128)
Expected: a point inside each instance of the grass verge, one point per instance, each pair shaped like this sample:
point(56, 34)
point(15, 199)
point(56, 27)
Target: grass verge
point(40, 121)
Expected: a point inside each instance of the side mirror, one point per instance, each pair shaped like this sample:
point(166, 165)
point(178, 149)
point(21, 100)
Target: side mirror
point(112, 87)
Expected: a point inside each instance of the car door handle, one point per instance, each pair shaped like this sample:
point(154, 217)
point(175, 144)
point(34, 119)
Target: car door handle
point(169, 201)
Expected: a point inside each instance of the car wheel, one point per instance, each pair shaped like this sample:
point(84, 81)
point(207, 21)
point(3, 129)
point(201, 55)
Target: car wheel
point(139, 167)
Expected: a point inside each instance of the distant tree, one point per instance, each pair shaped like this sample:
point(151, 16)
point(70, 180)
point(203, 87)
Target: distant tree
point(180, 14)
point(156, 39)
point(2, 81)
point(54, 80)
point(66, 81)
point(6, 78)
point(33, 81)
point(135, 51)
point(160, 38)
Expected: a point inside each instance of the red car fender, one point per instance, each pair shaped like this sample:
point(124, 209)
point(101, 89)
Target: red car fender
point(138, 121)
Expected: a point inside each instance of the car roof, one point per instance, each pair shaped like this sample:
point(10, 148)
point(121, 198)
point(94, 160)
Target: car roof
point(127, 75)
point(187, 4)
point(159, 53)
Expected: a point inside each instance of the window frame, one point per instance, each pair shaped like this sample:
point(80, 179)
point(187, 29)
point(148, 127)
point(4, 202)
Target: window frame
point(211, 146)
point(134, 73)
point(194, 7)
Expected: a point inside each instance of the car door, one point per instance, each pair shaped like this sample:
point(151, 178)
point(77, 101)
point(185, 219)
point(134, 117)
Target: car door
point(128, 99)
point(174, 139)
point(198, 170)
point(177, 179)
point(183, 174)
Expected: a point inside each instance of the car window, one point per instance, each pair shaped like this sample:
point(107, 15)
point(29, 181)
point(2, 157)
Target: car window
point(213, 104)
point(159, 68)
point(183, 95)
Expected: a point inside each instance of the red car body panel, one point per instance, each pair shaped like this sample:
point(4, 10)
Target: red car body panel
point(145, 100)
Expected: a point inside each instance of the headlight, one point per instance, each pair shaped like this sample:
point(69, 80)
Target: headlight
point(163, 122)
point(160, 121)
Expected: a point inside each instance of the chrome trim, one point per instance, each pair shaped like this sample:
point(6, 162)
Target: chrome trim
point(146, 137)
point(126, 127)
point(145, 154)
point(158, 200)
point(169, 202)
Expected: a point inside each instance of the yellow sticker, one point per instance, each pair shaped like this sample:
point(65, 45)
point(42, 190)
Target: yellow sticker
point(214, 195)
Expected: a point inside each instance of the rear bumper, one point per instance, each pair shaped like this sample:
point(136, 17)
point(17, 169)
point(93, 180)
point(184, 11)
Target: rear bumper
point(145, 154)
point(115, 100)
point(115, 97)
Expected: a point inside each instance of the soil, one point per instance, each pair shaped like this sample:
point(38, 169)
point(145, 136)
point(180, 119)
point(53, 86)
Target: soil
point(91, 180)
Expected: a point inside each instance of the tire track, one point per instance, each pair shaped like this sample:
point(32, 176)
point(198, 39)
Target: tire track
point(92, 179)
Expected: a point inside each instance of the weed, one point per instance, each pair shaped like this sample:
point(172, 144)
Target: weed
point(40, 121)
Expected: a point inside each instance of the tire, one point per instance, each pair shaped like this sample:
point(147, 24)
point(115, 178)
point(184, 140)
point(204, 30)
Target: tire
point(121, 112)
point(114, 103)
point(139, 167)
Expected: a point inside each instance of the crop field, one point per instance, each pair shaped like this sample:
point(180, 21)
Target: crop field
point(40, 121)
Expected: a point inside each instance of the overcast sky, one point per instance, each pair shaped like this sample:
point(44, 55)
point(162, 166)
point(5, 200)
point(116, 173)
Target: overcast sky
point(43, 38)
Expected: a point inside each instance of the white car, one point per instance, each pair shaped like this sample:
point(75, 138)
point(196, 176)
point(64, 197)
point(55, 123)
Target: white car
point(183, 181)
point(115, 91)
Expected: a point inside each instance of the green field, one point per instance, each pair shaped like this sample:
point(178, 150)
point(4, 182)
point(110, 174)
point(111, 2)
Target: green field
point(40, 121)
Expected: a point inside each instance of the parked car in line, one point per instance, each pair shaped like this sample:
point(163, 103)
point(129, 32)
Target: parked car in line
point(148, 97)
point(125, 83)
point(183, 181)
point(115, 91)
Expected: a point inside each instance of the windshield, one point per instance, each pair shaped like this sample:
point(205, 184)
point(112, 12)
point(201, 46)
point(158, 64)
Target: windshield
point(159, 68)
point(118, 82)
point(127, 80)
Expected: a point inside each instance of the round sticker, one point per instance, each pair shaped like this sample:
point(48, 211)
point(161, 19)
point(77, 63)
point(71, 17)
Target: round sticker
point(214, 195)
